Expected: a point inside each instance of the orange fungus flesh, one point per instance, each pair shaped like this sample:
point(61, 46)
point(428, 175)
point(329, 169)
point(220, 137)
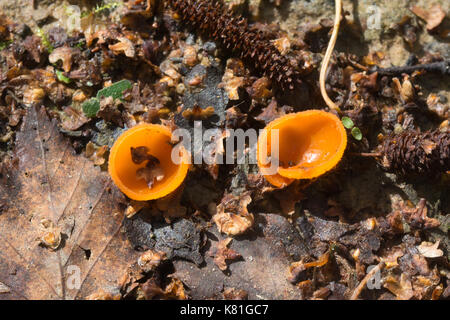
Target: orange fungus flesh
point(123, 171)
point(310, 143)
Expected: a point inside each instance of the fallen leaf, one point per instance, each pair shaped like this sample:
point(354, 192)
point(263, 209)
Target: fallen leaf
point(232, 217)
point(65, 54)
point(433, 17)
point(96, 154)
point(49, 181)
point(430, 250)
point(150, 259)
point(267, 251)
point(124, 45)
point(73, 119)
point(401, 288)
point(175, 290)
point(224, 253)
point(231, 82)
point(197, 113)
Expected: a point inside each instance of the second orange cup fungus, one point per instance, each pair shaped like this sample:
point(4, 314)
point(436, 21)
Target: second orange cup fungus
point(141, 165)
point(310, 143)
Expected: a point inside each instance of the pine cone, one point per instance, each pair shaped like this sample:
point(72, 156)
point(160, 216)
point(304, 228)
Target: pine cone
point(234, 33)
point(412, 152)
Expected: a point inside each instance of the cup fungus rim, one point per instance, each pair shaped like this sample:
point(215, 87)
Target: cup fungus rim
point(180, 173)
point(292, 172)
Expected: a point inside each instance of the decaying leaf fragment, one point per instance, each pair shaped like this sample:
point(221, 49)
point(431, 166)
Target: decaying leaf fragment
point(51, 234)
point(418, 217)
point(224, 253)
point(96, 154)
point(430, 250)
point(232, 217)
point(391, 258)
point(124, 45)
point(65, 54)
point(231, 82)
point(402, 288)
point(197, 113)
point(134, 207)
point(151, 259)
point(296, 268)
point(175, 290)
point(433, 17)
point(270, 113)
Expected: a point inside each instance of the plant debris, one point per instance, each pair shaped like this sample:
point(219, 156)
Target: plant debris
point(74, 78)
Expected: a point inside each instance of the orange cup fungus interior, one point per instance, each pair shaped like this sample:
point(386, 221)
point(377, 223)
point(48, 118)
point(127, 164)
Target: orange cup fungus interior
point(310, 143)
point(124, 170)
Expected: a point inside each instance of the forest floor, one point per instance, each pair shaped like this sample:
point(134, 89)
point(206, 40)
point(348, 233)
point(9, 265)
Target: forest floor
point(318, 239)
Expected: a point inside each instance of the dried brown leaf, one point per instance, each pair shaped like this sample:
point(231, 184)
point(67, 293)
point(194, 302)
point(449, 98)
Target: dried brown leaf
point(433, 17)
point(224, 253)
point(175, 290)
point(150, 259)
point(73, 119)
point(96, 154)
point(232, 217)
point(124, 45)
point(430, 250)
point(49, 181)
point(197, 113)
point(402, 288)
point(65, 54)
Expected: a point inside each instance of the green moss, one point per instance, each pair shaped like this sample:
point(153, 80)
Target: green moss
point(45, 41)
point(91, 107)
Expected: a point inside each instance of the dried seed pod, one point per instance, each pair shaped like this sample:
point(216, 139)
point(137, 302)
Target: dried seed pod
point(234, 33)
point(414, 152)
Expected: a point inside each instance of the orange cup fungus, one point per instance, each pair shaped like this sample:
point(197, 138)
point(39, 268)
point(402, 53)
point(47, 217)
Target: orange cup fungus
point(140, 163)
point(310, 143)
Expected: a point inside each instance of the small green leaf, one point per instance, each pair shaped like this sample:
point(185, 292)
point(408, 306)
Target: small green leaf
point(115, 90)
point(61, 77)
point(5, 44)
point(91, 107)
point(347, 122)
point(357, 134)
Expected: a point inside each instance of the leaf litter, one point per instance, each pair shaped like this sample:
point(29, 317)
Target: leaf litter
point(135, 63)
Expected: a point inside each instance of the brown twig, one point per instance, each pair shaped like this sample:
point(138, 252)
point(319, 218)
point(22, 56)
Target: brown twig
point(364, 281)
point(442, 67)
point(366, 154)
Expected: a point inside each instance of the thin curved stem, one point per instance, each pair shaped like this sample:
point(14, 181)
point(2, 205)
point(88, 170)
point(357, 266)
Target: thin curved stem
point(326, 59)
point(364, 281)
